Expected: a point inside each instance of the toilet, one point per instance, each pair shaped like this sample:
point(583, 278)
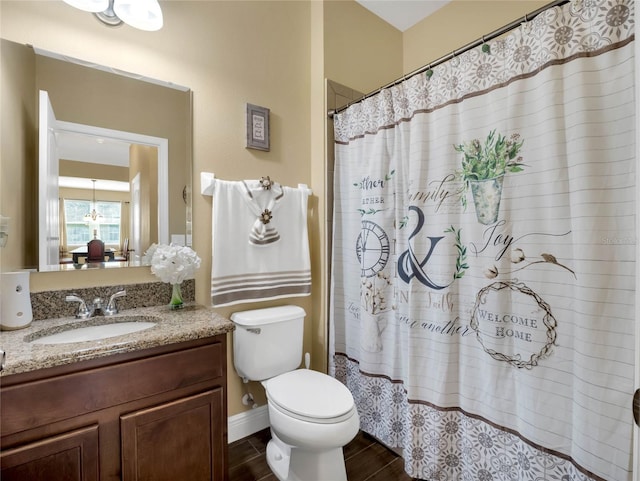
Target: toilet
point(312, 415)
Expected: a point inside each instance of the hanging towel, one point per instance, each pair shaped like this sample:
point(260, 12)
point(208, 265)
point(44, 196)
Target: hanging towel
point(263, 230)
point(260, 243)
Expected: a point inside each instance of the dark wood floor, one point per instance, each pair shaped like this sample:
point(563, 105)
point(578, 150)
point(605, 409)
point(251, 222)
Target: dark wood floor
point(365, 459)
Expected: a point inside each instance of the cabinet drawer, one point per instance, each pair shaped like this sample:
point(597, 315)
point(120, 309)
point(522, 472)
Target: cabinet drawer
point(37, 403)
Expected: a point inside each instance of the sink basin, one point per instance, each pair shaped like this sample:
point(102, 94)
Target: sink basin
point(84, 331)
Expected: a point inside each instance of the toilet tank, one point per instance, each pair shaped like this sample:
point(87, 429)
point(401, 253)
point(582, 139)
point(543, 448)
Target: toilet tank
point(267, 342)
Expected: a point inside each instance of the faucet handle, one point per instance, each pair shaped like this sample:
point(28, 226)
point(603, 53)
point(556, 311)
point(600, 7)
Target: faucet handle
point(111, 308)
point(83, 311)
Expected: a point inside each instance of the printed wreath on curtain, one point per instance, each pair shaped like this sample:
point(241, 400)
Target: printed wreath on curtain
point(548, 320)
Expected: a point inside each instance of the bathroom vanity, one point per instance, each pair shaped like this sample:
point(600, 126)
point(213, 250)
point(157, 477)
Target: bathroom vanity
point(146, 405)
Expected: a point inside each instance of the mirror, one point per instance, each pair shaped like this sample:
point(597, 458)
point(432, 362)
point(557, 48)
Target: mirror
point(90, 102)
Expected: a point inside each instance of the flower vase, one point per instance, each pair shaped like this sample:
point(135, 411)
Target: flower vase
point(176, 297)
point(486, 197)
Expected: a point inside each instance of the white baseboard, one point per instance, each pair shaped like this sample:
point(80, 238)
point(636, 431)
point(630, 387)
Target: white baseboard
point(248, 422)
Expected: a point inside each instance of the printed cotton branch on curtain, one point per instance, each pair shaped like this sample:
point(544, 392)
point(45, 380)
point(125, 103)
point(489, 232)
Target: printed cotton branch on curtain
point(484, 255)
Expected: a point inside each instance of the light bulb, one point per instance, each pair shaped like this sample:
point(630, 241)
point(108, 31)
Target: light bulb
point(89, 5)
point(140, 14)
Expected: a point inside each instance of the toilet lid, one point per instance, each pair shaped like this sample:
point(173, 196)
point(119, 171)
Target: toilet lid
point(310, 394)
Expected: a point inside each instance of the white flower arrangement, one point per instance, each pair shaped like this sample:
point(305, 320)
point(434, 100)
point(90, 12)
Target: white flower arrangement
point(172, 263)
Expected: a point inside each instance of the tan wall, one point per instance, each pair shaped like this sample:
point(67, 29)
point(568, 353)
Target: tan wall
point(318, 314)
point(459, 23)
point(17, 144)
point(230, 54)
point(88, 170)
point(144, 161)
point(87, 194)
point(361, 50)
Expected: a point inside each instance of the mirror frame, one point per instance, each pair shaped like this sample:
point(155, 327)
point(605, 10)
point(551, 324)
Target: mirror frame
point(160, 143)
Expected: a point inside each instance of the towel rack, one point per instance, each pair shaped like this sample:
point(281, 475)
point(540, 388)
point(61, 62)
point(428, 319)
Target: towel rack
point(208, 179)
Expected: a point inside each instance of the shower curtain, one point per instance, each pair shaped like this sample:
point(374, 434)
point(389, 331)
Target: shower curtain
point(482, 300)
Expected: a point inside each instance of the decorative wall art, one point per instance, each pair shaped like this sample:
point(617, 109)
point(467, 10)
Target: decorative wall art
point(257, 127)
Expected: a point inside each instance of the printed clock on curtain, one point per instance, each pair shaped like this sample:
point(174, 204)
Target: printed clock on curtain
point(372, 248)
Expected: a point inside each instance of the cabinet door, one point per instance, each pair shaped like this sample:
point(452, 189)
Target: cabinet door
point(180, 440)
point(71, 456)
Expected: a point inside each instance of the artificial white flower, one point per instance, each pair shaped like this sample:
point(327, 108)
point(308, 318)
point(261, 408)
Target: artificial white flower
point(172, 263)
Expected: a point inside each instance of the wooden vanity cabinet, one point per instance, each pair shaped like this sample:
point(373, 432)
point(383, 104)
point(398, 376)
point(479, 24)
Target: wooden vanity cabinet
point(156, 414)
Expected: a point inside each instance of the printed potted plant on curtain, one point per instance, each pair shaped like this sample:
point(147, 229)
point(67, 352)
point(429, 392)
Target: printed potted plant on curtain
point(484, 166)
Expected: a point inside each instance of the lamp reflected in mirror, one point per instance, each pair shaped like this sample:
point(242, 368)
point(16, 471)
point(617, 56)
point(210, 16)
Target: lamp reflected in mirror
point(94, 215)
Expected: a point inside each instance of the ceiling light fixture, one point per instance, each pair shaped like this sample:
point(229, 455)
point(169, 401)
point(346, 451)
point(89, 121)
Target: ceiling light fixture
point(92, 6)
point(140, 14)
point(93, 216)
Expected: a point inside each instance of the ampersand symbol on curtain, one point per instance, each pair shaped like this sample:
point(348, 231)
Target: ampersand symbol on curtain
point(408, 264)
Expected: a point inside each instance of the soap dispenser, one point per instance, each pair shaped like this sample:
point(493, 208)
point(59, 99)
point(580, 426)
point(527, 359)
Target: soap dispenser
point(15, 301)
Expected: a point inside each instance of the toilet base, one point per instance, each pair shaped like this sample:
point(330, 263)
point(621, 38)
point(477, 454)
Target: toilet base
point(297, 464)
point(278, 457)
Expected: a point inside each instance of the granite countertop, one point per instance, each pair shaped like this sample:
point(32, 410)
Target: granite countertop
point(192, 322)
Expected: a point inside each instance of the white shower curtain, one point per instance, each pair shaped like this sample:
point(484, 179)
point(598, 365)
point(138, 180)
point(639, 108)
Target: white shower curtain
point(484, 255)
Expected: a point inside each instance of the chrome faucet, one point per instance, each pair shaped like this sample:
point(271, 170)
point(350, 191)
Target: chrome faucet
point(85, 312)
point(97, 306)
point(111, 308)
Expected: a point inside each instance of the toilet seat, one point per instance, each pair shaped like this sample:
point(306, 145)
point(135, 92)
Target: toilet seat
point(310, 396)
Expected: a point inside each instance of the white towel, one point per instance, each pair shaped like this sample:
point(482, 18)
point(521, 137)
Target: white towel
point(260, 243)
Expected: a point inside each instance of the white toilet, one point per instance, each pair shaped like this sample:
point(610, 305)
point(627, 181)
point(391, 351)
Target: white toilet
point(312, 415)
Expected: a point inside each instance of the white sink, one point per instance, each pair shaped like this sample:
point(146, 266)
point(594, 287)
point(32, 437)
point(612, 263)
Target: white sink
point(94, 333)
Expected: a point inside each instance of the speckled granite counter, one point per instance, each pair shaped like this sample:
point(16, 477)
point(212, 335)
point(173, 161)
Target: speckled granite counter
point(192, 322)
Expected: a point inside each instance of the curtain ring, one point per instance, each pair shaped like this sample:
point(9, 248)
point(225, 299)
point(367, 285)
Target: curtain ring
point(485, 46)
point(454, 60)
point(525, 25)
point(429, 72)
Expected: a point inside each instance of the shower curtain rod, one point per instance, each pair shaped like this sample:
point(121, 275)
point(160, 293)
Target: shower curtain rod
point(469, 46)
